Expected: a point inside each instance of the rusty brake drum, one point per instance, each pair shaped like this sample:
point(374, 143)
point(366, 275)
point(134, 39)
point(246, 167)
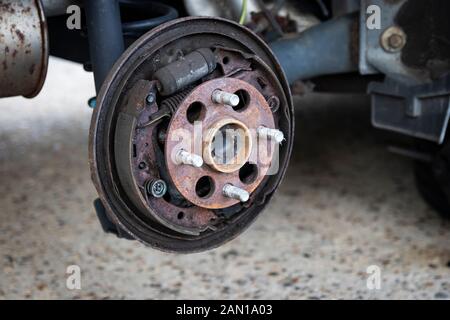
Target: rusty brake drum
point(191, 135)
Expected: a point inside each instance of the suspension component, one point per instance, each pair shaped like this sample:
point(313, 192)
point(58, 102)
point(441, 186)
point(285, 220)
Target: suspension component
point(172, 167)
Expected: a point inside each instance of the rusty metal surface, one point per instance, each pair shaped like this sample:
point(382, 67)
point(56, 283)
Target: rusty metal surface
point(187, 220)
point(151, 52)
point(256, 114)
point(23, 48)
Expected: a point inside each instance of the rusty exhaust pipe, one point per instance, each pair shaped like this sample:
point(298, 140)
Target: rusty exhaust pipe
point(24, 48)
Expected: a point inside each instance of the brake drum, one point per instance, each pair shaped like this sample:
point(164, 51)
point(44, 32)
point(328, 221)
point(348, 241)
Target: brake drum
point(191, 135)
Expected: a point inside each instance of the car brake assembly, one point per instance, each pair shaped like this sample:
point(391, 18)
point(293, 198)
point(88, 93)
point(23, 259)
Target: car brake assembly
point(191, 135)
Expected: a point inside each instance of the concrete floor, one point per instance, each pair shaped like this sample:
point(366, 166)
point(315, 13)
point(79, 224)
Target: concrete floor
point(345, 204)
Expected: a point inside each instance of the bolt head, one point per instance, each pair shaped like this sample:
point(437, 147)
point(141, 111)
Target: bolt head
point(234, 100)
point(236, 193)
point(142, 165)
point(393, 39)
point(222, 97)
point(278, 136)
point(151, 98)
point(274, 103)
point(157, 188)
point(197, 161)
point(244, 197)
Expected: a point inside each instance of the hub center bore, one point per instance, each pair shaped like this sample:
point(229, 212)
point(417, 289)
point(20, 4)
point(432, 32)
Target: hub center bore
point(227, 145)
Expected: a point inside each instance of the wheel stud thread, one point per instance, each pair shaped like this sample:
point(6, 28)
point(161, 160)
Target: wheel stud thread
point(184, 157)
point(233, 192)
point(223, 97)
point(275, 134)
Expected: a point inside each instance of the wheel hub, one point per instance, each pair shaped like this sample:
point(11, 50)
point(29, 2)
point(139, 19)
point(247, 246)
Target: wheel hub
point(214, 129)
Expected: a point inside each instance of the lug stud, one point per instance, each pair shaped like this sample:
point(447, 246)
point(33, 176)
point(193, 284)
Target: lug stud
point(223, 97)
point(231, 191)
point(277, 135)
point(184, 157)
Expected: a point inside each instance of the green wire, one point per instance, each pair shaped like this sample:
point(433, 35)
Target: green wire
point(243, 12)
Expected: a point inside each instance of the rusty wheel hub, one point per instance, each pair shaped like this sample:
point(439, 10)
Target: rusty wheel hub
point(192, 134)
point(230, 150)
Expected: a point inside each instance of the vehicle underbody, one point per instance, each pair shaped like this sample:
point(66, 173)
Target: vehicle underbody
point(193, 122)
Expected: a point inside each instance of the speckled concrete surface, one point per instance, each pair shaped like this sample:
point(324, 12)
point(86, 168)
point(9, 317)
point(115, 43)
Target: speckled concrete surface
point(346, 204)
